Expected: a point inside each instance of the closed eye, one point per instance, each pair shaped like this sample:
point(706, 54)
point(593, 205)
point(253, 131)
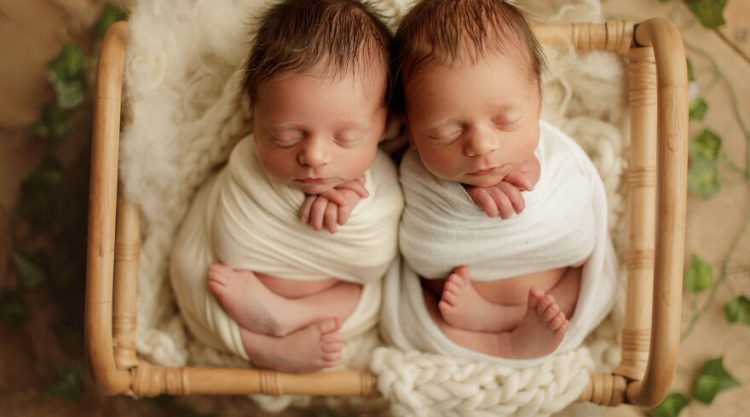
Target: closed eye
point(285, 142)
point(507, 122)
point(348, 140)
point(445, 136)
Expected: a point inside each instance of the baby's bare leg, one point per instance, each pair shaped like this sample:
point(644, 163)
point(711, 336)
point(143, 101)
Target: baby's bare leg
point(540, 332)
point(259, 310)
point(566, 290)
point(312, 348)
point(464, 308)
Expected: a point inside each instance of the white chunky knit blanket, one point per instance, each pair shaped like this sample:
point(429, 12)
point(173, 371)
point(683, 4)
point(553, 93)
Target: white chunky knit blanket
point(183, 117)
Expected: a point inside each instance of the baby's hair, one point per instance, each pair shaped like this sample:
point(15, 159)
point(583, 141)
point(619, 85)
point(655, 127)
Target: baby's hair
point(446, 31)
point(294, 36)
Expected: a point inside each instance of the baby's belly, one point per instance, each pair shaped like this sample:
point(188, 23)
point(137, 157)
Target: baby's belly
point(508, 291)
point(292, 288)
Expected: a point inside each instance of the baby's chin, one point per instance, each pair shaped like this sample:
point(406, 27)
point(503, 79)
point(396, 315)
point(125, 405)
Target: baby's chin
point(483, 181)
point(317, 188)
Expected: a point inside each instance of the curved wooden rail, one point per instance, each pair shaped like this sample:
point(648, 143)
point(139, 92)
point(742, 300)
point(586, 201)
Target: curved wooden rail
point(102, 212)
point(672, 129)
point(112, 355)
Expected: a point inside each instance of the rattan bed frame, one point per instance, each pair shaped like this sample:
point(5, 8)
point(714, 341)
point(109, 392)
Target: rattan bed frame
point(656, 178)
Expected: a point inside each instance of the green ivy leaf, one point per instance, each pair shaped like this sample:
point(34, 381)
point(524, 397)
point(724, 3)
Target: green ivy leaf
point(37, 193)
point(712, 380)
point(703, 176)
point(699, 275)
point(690, 73)
point(12, 306)
point(110, 14)
point(705, 146)
point(30, 274)
point(698, 108)
point(671, 406)
point(67, 72)
point(68, 383)
point(708, 12)
point(738, 310)
point(54, 124)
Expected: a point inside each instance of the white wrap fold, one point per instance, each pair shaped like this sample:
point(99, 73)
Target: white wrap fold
point(564, 222)
point(246, 220)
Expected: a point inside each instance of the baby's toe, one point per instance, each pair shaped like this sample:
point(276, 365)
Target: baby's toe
point(329, 325)
point(449, 297)
point(551, 312)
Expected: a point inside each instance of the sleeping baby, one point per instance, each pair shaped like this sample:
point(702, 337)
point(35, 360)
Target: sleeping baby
point(252, 271)
point(504, 232)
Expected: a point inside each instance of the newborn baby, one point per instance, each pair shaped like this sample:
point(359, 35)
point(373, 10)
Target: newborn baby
point(540, 275)
point(250, 275)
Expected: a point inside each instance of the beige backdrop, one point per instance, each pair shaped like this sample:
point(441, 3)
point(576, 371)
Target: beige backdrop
point(31, 33)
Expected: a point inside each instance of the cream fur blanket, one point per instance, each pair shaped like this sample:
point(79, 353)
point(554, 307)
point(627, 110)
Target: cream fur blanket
point(564, 223)
point(247, 220)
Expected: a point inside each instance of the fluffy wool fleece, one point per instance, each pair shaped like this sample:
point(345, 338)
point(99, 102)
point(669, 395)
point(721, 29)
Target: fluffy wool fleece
point(183, 115)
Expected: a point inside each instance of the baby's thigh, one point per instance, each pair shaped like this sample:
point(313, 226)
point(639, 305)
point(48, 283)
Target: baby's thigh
point(567, 289)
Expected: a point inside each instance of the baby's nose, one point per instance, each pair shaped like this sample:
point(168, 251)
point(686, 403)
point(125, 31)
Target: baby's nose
point(314, 153)
point(480, 142)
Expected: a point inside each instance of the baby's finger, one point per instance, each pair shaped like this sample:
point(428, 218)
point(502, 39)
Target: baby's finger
point(357, 187)
point(514, 195)
point(334, 196)
point(344, 212)
point(304, 210)
point(501, 202)
point(484, 200)
point(330, 217)
point(520, 181)
point(317, 213)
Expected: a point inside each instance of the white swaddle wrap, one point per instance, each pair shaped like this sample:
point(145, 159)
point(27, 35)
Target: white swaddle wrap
point(246, 220)
point(563, 223)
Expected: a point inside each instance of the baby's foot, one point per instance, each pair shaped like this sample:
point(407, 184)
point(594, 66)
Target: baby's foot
point(542, 328)
point(317, 346)
point(246, 300)
point(463, 307)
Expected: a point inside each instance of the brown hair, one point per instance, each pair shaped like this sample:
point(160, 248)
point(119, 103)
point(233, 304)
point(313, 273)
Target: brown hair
point(295, 35)
point(446, 31)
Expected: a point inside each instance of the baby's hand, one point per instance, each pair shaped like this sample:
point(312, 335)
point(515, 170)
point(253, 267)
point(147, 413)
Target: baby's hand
point(501, 199)
point(333, 207)
point(505, 198)
point(527, 175)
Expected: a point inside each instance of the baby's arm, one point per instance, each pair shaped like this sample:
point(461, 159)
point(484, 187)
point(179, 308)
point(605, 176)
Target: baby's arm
point(333, 207)
point(505, 198)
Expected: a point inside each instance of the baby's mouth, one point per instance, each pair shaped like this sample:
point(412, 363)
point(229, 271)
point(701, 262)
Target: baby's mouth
point(483, 172)
point(312, 180)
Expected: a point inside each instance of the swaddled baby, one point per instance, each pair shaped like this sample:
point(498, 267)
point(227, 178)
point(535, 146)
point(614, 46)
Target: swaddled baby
point(252, 270)
point(504, 231)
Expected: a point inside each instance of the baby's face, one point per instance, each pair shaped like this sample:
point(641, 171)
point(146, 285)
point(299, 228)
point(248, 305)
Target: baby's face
point(316, 132)
point(473, 123)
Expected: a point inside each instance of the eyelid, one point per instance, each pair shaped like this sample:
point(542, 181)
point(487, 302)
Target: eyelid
point(285, 143)
point(508, 120)
point(445, 135)
point(348, 139)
